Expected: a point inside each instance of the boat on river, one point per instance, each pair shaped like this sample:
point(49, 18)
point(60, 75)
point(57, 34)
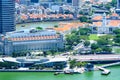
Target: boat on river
point(73, 71)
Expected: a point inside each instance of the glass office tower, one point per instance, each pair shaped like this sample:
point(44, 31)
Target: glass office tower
point(7, 16)
point(118, 4)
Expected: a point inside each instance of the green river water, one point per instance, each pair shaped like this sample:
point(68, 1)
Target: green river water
point(93, 75)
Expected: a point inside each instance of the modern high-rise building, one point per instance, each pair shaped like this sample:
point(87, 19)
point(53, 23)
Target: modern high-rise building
point(118, 4)
point(34, 1)
point(25, 2)
point(7, 16)
point(77, 3)
point(69, 1)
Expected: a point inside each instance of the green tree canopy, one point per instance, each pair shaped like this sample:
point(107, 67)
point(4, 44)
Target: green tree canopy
point(94, 46)
point(84, 31)
point(114, 3)
point(117, 38)
point(86, 43)
point(83, 19)
point(39, 28)
point(102, 42)
point(117, 31)
point(56, 26)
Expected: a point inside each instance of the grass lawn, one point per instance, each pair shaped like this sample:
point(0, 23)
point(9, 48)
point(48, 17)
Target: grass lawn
point(93, 37)
point(116, 50)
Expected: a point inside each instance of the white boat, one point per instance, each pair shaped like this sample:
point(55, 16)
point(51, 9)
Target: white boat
point(74, 71)
point(79, 70)
point(69, 71)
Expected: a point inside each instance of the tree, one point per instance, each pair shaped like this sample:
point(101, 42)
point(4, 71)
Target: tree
point(74, 32)
point(117, 31)
point(83, 19)
point(67, 12)
point(114, 3)
point(39, 28)
point(72, 63)
point(68, 47)
point(102, 42)
point(53, 52)
point(80, 64)
point(107, 37)
point(14, 54)
point(84, 37)
point(117, 39)
point(94, 46)
point(84, 31)
point(86, 43)
point(69, 39)
point(99, 50)
point(76, 37)
point(81, 12)
point(48, 53)
point(106, 49)
point(108, 6)
point(105, 40)
point(56, 26)
point(117, 36)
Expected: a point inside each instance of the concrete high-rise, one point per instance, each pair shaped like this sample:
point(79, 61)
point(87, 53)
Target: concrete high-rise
point(7, 16)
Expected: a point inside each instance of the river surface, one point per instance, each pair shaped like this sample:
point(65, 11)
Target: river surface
point(93, 75)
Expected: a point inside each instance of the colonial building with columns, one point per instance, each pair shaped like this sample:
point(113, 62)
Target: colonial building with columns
point(105, 24)
point(30, 41)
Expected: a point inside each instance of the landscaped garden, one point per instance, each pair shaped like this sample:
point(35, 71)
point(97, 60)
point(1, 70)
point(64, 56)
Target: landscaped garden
point(93, 37)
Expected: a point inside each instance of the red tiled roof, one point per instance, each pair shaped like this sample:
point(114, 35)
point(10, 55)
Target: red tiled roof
point(97, 18)
point(34, 16)
point(115, 14)
point(68, 26)
point(114, 23)
point(35, 38)
point(97, 23)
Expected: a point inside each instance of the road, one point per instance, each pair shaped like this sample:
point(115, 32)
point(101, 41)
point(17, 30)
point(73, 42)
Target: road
point(109, 57)
point(96, 57)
